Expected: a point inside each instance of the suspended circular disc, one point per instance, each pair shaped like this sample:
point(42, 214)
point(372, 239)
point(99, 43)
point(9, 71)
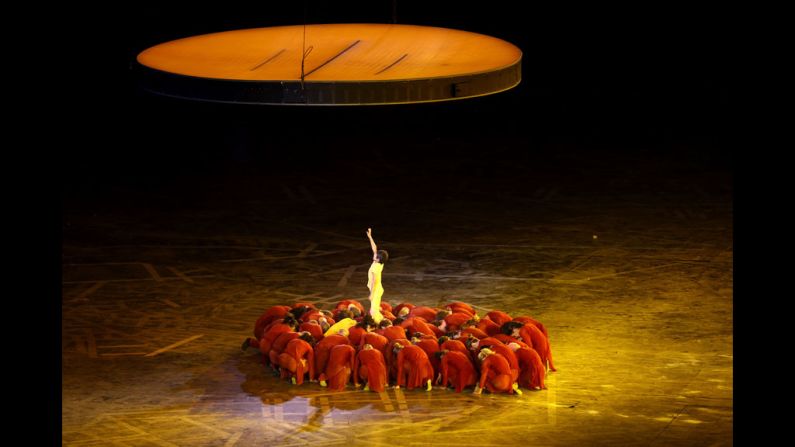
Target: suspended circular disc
point(344, 64)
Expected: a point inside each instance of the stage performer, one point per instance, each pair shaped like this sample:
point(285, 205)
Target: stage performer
point(495, 374)
point(340, 366)
point(414, 367)
point(457, 369)
point(374, 278)
point(297, 358)
point(371, 368)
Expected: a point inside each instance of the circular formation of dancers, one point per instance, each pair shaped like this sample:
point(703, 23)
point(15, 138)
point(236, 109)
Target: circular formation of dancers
point(408, 345)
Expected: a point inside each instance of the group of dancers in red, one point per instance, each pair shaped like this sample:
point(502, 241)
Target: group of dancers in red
point(413, 346)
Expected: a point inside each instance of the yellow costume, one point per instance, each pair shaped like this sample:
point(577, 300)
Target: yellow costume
point(376, 290)
point(345, 323)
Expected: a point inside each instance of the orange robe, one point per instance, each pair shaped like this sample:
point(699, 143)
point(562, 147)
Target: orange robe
point(414, 367)
point(340, 367)
point(296, 359)
point(458, 370)
point(370, 367)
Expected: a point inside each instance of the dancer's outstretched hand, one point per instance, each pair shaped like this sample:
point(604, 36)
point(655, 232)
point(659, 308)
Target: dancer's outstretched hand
point(369, 232)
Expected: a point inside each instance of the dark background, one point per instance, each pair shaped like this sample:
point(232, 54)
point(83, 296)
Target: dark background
point(603, 87)
point(598, 82)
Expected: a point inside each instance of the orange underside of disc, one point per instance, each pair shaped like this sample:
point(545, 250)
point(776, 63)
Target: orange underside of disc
point(339, 52)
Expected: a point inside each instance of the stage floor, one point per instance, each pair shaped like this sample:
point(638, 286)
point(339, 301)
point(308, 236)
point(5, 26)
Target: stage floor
point(161, 286)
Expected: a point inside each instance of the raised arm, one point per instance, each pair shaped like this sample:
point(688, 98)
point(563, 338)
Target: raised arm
point(372, 242)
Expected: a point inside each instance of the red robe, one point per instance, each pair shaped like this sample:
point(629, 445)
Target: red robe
point(345, 303)
point(489, 327)
point(495, 374)
point(370, 367)
point(409, 321)
point(323, 348)
point(388, 315)
point(456, 320)
point(533, 336)
point(477, 333)
point(499, 317)
point(531, 369)
point(378, 341)
point(314, 329)
point(267, 318)
point(489, 341)
point(458, 370)
point(386, 307)
point(355, 335)
point(297, 305)
point(400, 306)
point(419, 325)
point(278, 346)
point(510, 356)
point(427, 313)
point(340, 366)
point(460, 306)
point(455, 345)
point(538, 324)
point(315, 315)
point(269, 336)
point(413, 367)
point(393, 333)
point(295, 359)
point(507, 339)
point(431, 346)
point(391, 358)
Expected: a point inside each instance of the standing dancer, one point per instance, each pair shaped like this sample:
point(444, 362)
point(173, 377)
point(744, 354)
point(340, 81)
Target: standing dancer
point(374, 278)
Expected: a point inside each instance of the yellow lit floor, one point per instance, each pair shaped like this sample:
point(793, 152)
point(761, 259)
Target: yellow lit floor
point(161, 288)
